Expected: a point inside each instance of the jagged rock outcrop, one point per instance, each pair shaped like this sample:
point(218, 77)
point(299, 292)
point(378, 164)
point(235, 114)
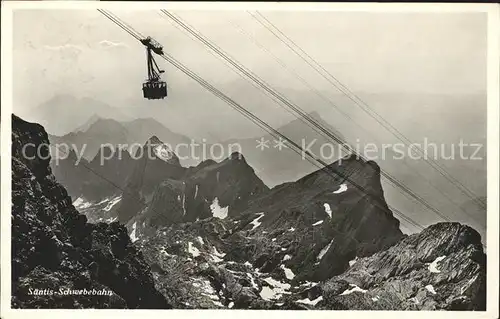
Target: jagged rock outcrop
point(96, 180)
point(441, 268)
point(155, 163)
point(211, 189)
point(326, 241)
point(273, 252)
point(114, 164)
point(336, 214)
point(54, 249)
point(70, 171)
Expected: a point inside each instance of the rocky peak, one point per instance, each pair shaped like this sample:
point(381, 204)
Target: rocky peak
point(237, 156)
point(24, 135)
point(441, 268)
point(210, 189)
point(154, 140)
point(53, 247)
point(154, 149)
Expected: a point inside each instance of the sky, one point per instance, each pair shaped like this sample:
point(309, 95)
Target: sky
point(398, 61)
point(80, 52)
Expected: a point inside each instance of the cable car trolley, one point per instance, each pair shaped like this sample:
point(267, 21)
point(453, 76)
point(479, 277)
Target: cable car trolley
point(153, 88)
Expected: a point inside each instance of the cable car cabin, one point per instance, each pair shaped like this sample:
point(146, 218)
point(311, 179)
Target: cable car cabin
point(154, 90)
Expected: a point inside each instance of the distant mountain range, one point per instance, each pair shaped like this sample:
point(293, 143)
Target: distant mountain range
point(275, 165)
point(65, 113)
point(99, 132)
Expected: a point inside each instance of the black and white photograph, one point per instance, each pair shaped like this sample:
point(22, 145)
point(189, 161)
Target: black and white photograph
point(249, 157)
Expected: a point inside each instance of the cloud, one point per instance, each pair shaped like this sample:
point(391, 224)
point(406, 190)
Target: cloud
point(111, 44)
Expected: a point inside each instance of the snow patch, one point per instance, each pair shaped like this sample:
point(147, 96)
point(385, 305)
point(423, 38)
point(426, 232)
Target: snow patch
point(287, 257)
point(103, 201)
point(231, 305)
point(277, 284)
point(267, 293)
point(353, 289)
point(324, 250)
point(291, 229)
point(184, 203)
point(288, 272)
point(328, 209)
point(430, 288)
point(217, 211)
point(80, 203)
point(433, 265)
point(112, 203)
point(210, 292)
point(162, 152)
point(318, 223)
point(276, 292)
point(216, 259)
point(256, 222)
point(307, 301)
point(217, 253)
point(193, 250)
point(196, 191)
point(207, 287)
point(252, 281)
point(133, 236)
point(164, 252)
point(376, 298)
point(200, 240)
point(309, 284)
point(352, 262)
point(341, 189)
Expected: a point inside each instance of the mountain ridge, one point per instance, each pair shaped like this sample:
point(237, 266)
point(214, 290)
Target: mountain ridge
point(316, 243)
point(55, 249)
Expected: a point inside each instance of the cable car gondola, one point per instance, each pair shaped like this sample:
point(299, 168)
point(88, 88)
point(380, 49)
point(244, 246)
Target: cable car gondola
point(153, 88)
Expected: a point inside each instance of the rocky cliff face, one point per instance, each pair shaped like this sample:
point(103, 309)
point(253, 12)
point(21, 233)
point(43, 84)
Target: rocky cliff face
point(278, 247)
point(155, 163)
point(68, 171)
point(326, 241)
point(441, 268)
point(212, 263)
point(93, 181)
point(211, 189)
point(55, 250)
